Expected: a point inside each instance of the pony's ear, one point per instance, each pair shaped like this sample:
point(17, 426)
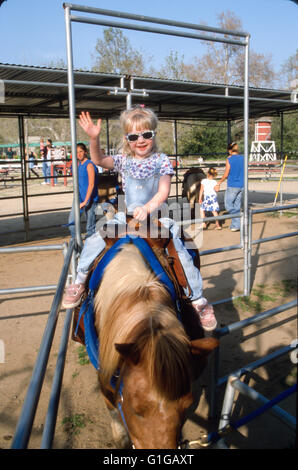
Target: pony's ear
point(128, 352)
point(203, 346)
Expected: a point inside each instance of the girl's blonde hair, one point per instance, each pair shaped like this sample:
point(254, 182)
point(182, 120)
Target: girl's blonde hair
point(212, 171)
point(140, 118)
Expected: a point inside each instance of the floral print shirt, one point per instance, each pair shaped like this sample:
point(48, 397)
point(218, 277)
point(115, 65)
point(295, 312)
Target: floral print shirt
point(142, 168)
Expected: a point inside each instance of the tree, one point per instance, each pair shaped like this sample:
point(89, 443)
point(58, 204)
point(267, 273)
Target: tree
point(173, 67)
point(114, 54)
point(289, 70)
point(204, 138)
point(224, 63)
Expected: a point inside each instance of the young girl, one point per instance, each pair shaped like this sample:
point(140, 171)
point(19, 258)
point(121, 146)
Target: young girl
point(210, 204)
point(146, 180)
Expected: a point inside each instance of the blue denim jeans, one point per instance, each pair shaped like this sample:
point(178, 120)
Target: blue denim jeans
point(54, 174)
point(233, 199)
point(45, 171)
point(90, 220)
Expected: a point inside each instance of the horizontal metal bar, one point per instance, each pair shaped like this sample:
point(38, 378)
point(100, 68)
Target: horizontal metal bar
point(24, 426)
point(275, 237)
point(259, 398)
point(51, 417)
point(150, 19)
point(62, 71)
point(64, 85)
point(273, 209)
point(208, 219)
point(148, 29)
point(19, 290)
point(208, 95)
point(32, 248)
point(255, 319)
point(219, 250)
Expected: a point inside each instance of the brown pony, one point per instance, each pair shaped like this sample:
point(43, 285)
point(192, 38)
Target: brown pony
point(141, 338)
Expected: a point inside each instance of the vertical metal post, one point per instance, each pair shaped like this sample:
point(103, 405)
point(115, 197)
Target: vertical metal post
point(176, 154)
point(214, 382)
point(245, 199)
point(72, 117)
point(108, 136)
point(229, 140)
point(281, 135)
point(249, 248)
point(227, 403)
point(128, 101)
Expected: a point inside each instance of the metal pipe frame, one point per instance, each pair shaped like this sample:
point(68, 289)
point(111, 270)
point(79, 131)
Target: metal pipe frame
point(51, 417)
point(150, 19)
point(216, 382)
point(260, 399)
point(230, 389)
point(68, 7)
point(21, 290)
point(72, 117)
point(65, 85)
point(27, 249)
point(25, 423)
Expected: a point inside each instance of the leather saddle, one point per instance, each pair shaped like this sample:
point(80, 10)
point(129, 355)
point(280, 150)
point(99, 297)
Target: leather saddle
point(163, 248)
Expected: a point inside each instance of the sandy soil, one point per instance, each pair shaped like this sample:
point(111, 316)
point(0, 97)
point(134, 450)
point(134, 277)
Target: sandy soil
point(82, 420)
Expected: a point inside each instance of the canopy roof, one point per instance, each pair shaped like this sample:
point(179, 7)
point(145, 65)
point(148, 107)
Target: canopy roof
point(40, 91)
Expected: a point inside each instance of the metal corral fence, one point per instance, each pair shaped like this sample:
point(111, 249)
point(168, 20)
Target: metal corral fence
point(24, 427)
point(16, 171)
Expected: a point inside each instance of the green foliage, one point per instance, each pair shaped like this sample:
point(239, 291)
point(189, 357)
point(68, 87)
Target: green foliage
point(290, 140)
point(73, 424)
point(204, 138)
point(83, 356)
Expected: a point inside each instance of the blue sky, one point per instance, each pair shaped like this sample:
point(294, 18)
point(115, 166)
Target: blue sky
point(32, 32)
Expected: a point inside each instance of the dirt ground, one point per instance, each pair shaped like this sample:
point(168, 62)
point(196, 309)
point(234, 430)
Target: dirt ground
point(83, 422)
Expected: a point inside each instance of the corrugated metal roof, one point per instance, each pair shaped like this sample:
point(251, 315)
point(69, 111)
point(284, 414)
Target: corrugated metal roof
point(41, 91)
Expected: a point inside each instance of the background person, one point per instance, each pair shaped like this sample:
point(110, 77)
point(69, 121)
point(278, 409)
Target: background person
point(49, 162)
point(32, 164)
point(43, 156)
point(209, 187)
point(234, 172)
point(88, 191)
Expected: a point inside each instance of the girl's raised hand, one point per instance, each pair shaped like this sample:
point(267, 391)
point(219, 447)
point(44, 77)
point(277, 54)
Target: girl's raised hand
point(91, 129)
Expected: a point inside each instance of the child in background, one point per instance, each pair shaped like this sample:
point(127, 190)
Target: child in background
point(210, 203)
point(146, 181)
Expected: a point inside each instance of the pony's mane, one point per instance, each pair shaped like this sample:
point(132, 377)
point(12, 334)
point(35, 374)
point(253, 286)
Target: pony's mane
point(133, 307)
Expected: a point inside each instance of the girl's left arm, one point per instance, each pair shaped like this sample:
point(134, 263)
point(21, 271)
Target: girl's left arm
point(161, 196)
